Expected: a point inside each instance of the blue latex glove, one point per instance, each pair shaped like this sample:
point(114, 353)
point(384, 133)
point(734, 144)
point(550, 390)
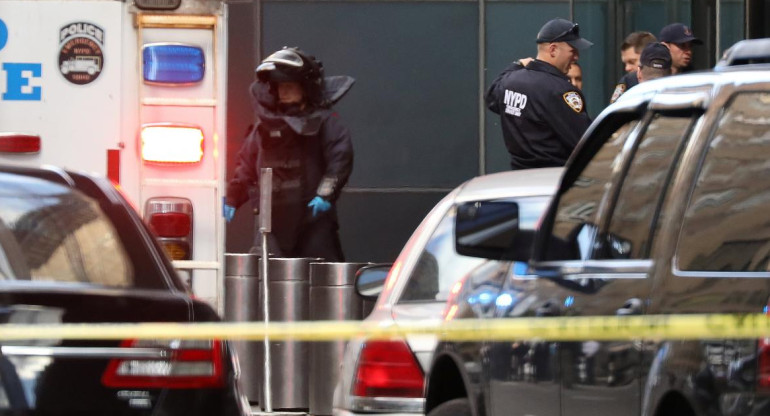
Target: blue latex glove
point(228, 211)
point(319, 205)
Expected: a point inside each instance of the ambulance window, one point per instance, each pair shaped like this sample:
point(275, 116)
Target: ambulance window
point(726, 226)
point(575, 219)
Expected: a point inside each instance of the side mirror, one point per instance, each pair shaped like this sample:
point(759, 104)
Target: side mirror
point(370, 280)
point(488, 229)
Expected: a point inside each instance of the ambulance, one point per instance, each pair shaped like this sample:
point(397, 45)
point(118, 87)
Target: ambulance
point(134, 91)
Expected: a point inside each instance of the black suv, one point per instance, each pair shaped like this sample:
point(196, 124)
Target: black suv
point(664, 208)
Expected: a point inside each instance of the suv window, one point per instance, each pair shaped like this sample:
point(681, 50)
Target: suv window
point(726, 226)
point(575, 222)
point(644, 186)
point(440, 266)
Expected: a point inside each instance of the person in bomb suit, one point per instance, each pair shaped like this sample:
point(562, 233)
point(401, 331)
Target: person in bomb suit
point(298, 135)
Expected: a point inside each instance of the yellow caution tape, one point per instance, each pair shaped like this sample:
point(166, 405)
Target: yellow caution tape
point(554, 329)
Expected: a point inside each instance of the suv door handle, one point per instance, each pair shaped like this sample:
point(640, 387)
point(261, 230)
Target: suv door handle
point(632, 306)
point(549, 308)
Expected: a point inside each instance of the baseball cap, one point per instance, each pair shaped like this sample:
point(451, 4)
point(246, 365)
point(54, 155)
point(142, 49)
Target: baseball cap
point(655, 55)
point(562, 30)
point(678, 33)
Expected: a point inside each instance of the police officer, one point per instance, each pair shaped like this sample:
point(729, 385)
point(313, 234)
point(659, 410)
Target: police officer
point(679, 39)
point(298, 135)
point(542, 115)
point(630, 52)
point(654, 62)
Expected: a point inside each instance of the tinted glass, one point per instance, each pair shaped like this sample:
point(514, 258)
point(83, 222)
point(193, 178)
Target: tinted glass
point(62, 237)
point(487, 227)
point(643, 188)
point(726, 225)
point(440, 266)
point(576, 215)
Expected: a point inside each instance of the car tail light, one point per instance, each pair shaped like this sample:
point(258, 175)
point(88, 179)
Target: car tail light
point(172, 64)
point(186, 365)
point(171, 143)
point(171, 219)
point(19, 143)
point(387, 369)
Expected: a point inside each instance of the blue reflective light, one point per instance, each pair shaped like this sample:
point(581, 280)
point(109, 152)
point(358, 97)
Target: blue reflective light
point(569, 300)
point(485, 298)
point(520, 268)
point(504, 300)
point(166, 63)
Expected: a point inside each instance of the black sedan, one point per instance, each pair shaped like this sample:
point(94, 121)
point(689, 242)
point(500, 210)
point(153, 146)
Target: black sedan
point(73, 250)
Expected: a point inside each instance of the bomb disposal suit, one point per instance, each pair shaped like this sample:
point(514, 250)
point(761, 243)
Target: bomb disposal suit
point(309, 151)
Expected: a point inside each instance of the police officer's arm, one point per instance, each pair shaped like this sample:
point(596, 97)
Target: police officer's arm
point(338, 154)
point(495, 92)
point(246, 175)
point(568, 116)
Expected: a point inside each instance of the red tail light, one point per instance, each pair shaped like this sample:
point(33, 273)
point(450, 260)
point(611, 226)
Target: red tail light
point(388, 369)
point(170, 224)
point(171, 219)
point(186, 365)
point(19, 143)
point(763, 373)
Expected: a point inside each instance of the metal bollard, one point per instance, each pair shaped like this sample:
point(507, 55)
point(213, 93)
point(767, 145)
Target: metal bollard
point(242, 305)
point(288, 286)
point(332, 297)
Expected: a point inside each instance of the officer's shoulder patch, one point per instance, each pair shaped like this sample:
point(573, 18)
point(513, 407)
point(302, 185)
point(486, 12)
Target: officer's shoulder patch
point(619, 90)
point(574, 100)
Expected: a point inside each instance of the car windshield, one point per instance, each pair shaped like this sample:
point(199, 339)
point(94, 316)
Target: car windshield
point(440, 266)
point(57, 235)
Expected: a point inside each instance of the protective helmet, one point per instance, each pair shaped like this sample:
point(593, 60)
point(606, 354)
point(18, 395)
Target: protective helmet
point(292, 64)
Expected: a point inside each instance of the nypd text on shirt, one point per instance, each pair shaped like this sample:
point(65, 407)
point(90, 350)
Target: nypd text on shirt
point(514, 102)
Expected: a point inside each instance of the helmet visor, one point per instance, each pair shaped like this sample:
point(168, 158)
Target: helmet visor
point(279, 66)
point(285, 57)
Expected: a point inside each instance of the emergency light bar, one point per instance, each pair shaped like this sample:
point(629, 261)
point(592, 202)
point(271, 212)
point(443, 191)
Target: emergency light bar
point(171, 143)
point(19, 143)
point(172, 64)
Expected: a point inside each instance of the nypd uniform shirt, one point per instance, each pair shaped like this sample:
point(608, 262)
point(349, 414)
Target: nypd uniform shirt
point(627, 81)
point(542, 115)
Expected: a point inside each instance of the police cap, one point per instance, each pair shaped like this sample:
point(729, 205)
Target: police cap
point(678, 33)
point(562, 30)
point(655, 55)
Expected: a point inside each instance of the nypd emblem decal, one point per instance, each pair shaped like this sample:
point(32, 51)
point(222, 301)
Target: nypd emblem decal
point(619, 90)
point(574, 101)
point(80, 52)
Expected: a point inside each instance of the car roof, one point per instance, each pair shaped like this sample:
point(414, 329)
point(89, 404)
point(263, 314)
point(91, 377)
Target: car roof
point(748, 51)
point(514, 183)
point(706, 81)
point(19, 185)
